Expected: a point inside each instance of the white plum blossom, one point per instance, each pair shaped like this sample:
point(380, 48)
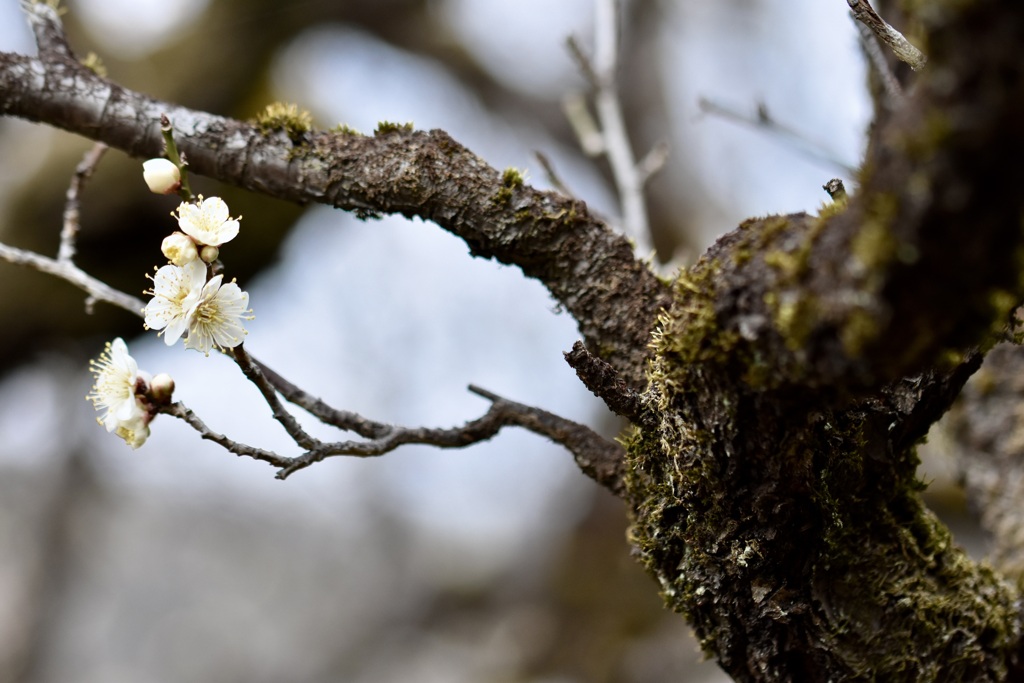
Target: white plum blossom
point(176, 291)
point(211, 312)
point(161, 176)
point(216, 319)
point(119, 383)
point(207, 221)
point(179, 248)
point(134, 431)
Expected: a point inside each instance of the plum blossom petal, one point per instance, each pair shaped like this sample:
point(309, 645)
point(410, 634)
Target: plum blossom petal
point(116, 391)
point(161, 176)
point(117, 375)
point(207, 221)
point(176, 291)
point(134, 431)
point(216, 319)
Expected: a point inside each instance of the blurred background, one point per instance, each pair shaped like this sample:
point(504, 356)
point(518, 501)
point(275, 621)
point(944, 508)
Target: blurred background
point(500, 562)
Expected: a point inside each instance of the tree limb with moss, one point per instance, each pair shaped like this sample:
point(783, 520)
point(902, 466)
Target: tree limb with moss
point(777, 388)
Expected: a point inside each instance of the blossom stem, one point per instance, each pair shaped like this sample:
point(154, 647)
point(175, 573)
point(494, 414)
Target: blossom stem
point(185, 192)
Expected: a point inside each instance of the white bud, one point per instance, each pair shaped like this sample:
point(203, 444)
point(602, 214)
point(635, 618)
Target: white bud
point(161, 388)
point(209, 254)
point(179, 249)
point(161, 175)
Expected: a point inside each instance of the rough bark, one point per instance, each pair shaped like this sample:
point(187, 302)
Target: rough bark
point(771, 474)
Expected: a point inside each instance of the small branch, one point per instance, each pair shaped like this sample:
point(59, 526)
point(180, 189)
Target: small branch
point(182, 412)
point(610, 137)
point(901, 47)
point(653, 161)
point(72, 214)
point(552, 174)
point(836, 190)
point(600, 459)
point(891, 85)
point(253, 373)
point(597, 457)
point(588, 133)
point(44, 19)
point(67, 271)
point(342, 419)
point(606, 384)
point(766, 123)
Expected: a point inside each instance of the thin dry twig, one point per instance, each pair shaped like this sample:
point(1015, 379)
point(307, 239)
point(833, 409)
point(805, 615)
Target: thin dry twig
point(342, 419)
point(598, 457)
point(764, 121)
point(608, 136)
point(69, 272)
point(72, 207)
point(183, 412)
point(552, 174)
point(254, 374)
point(901, 47)
point(891, 85)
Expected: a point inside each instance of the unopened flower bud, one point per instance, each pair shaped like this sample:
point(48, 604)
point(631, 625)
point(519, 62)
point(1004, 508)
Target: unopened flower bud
point(162, 176)
point(209, 254)
point(179, 249)
point(160, 388)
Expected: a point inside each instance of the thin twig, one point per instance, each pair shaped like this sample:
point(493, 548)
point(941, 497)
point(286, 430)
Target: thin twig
point(891, 85)
point(609, 136)
point(342, 419)
point(182, 412)
point(254, 374)
point(765, 122)
point(72, 206)
point(96, 289)
point(552, 174)
point(901, 47)
point(605, 383)
point(599, 458)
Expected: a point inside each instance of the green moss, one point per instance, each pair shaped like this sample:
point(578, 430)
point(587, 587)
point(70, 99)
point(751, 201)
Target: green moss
point(795, 316)
point(387, 127)
point(859, 329)
point(830, 209)
point(874, 246)
point(93, 63)
point(345, 129)
point(287, 117)
point(511, 179)
point(691, 333)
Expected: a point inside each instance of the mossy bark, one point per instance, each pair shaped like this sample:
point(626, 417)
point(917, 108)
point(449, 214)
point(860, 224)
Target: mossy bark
point(787, 525)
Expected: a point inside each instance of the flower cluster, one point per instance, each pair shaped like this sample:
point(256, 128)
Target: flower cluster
point(184, 300)
point(126, 395)
point(189, 301)
point(209, 310)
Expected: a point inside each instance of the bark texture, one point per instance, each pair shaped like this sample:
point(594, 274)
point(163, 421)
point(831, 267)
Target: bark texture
point(771, 471)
